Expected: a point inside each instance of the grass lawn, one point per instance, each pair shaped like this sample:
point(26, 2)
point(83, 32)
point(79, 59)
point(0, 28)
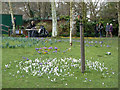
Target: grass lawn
point(14, 49)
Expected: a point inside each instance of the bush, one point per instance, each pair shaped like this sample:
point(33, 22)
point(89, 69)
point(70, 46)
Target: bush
point(65, 17)
point(65, 35)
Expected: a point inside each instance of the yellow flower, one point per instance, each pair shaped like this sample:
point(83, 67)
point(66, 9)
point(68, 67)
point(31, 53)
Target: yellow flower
point(45, 52)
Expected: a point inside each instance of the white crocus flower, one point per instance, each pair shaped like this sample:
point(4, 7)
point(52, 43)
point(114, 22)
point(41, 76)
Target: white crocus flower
point(18, 71)
point(7, 66)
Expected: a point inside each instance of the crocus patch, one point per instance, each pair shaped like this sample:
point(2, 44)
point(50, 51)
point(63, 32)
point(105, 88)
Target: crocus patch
point(54, 67)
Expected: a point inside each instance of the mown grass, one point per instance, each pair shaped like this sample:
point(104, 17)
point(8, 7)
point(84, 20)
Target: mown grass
point(92, 53)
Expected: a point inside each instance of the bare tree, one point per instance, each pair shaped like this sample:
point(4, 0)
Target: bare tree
point(12, 17)
point(95, 8)
point(28, 9)
point(54, 19)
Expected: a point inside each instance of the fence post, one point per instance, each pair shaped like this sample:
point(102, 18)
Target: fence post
point(8, 31)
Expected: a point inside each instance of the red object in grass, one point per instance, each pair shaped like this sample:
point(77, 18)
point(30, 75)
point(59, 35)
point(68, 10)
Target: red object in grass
point(78, 17)
point(26, 36)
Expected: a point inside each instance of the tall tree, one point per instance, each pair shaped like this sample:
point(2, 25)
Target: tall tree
point(119, 17)
point(94, 9)
point(54, 19)
point(71, 21)
point(38, 6)
point(28, 9)
point(12, 17)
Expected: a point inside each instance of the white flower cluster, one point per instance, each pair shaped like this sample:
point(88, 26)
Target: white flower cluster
point(57, 67)
point(54, 67)
point(95, 66)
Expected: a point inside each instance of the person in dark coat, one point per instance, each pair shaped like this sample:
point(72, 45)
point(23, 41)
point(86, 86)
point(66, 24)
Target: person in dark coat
point(15, 21)
point(31, 32)
point(107, 29)
point(111, 30)
point(100, 29)
point(32, 25)
point(96, 30)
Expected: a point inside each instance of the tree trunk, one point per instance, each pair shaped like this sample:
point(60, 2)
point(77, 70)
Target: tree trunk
point(74, 21)
point(12, 17)
point(38, 5)
point(54, 19)
point(71, 22)
point(119, 17)
point(30, 11)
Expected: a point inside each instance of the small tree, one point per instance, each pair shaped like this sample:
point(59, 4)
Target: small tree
point(12, 17)
point(71, 22)
point(54, 19)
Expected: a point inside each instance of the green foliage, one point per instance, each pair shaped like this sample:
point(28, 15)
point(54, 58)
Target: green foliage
point(65, 17)
point(65, 35)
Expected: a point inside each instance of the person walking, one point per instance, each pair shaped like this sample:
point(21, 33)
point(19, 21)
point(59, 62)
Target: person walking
point(100, 29)
point(111, 30)
point(107, 29)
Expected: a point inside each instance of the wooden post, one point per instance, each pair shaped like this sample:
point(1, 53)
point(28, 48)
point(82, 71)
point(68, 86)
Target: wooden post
point(8, 31)
point(82, 47)
point(82, 18)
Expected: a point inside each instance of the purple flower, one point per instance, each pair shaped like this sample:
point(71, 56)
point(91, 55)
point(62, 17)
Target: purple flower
point(40, 48)
point(36, 49)
point(50, 48)
point(22, 75)
point(39, 52)
point(95, 41)
point(23, 57)
point(46, 51)
point(108, 46)
point(40, 63)
point(45, 47)
point(63, 51)
point(27, 59)
point(87, 45)
point(85, 78)
point(72, 65)
point(90, 80)
point(56, 48)
point(53, 51)
point(101, 45)
point(59, 40)
point(45, 63)
point(101, 42)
